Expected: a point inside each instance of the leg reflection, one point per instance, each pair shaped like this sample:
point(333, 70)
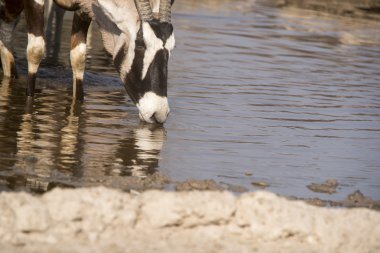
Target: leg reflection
point(5, 90)
point(71, 146)
point(37, 141)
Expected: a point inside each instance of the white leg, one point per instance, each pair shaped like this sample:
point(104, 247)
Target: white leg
point(81, 22)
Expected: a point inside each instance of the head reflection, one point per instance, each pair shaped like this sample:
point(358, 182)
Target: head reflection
point(140, 155)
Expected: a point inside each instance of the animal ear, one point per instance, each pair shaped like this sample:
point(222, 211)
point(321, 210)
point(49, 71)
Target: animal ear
point(119, 12)
point(172, 2)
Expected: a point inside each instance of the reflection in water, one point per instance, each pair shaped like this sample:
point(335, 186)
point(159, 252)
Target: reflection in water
point(55, 142)
point(4, 90)
point(69, 151)
point(142, 156)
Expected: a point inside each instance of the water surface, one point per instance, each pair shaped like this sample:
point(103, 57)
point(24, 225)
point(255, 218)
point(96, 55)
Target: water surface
point(290, 96)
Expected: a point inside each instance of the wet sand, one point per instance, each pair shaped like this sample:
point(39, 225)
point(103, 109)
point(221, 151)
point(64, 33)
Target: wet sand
point(106, 220)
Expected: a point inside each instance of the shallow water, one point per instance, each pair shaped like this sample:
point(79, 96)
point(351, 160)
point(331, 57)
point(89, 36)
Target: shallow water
point(290, 96)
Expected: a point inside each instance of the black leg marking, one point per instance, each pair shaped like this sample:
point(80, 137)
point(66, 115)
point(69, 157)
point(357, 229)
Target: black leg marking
point(14, 70)
point(78, 89)
point(29, 105)
point(31, 82)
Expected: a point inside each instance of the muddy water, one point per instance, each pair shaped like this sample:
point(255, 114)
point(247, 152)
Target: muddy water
point(283, 96)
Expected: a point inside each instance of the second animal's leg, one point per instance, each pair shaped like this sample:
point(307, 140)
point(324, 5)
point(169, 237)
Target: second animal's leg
point(81, 22)
point(53, 30)
point(34, 14)
point(59, 14)
point(7, 59)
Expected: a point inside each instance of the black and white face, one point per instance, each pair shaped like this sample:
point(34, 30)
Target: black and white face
point(147, 78)
point(139, 36)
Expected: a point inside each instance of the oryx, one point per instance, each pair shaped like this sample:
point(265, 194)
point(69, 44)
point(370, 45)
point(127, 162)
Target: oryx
point(137, 33)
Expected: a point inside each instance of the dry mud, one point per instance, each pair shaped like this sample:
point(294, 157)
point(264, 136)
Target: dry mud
point(106, 220)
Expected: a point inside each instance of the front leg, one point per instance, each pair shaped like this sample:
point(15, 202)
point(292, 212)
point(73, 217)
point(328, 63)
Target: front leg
point(81, 23)
point(34, 14)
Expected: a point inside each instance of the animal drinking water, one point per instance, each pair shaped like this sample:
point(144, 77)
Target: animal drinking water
point(137, 33)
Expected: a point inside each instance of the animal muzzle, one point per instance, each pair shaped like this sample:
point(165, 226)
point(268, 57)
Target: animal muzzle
point(153, 108)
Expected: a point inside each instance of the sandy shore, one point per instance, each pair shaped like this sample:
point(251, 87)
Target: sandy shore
point(106, 220)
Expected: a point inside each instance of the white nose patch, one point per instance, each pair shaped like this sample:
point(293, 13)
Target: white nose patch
point(151, 105)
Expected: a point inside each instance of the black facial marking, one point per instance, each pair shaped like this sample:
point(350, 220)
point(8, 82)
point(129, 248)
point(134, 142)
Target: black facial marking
point(140, 39)
point(133, 79)
point(156, 77)
point(157, 74)
point(120, 56)
point(118, 61)
point(162, 30)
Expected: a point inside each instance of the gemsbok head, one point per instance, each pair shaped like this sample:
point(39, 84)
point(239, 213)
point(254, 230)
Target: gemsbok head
point(141, 51)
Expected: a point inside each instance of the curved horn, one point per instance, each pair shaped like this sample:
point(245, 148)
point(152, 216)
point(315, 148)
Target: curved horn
point(144, 9)
point(165, 10)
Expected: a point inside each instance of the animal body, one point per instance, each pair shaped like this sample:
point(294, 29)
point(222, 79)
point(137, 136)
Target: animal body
point(137, 33)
